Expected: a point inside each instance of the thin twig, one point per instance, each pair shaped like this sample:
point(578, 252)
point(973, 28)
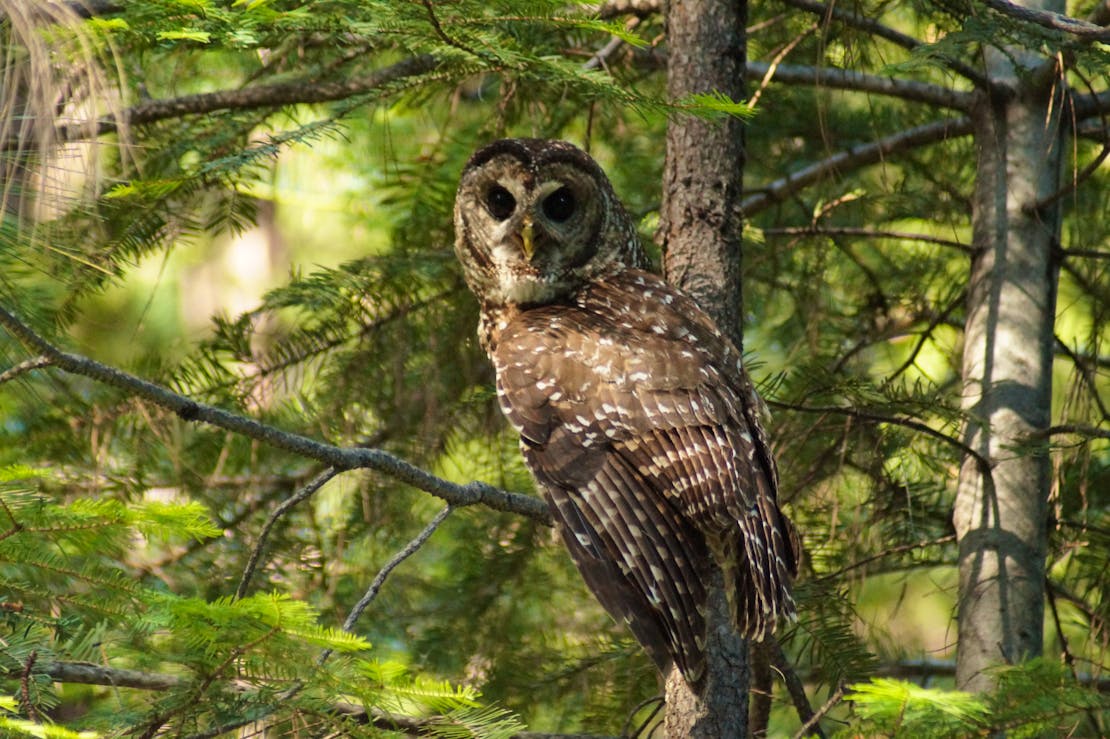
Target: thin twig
point(870, 233)
point(409, 550)
point(830, 704)
point(887, 553)
point(287, 505)
point(375, 587)
point(24, 367)
point(339, 457)
point(776, 62)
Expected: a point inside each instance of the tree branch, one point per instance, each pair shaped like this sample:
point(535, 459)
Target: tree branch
point(410, 549)
point(28, 365)
point(856, 157)
point(248, 98)
point(875, 28)
point(86, 673)
point(869, 233)
point(337, 457)
point(847, 79)
point(984, 464)
point(1092, 104)
point(814, 720)
point(287, 505)
point(1082, 30)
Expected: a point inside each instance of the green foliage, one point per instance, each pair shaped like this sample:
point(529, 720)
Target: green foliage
point(900, 709)
point(125, 529)
point(1036, 699)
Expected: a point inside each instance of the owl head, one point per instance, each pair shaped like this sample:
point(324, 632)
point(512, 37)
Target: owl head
point(535, 220)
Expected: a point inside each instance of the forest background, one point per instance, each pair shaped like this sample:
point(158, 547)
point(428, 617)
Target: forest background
point(226, 246)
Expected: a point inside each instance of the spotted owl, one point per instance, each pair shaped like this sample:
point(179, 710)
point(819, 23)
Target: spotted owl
point(635, 414)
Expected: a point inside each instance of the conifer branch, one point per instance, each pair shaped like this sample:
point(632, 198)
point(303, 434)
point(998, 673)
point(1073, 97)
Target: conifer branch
point(984, 464)
point(338, 457)
point(856, 157)
point(873, 27)
point(86, 673)
point(249, 98)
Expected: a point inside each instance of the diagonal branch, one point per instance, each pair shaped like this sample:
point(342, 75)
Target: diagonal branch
point(249, 98)
point(855, 158)
point(340, 458)
point(287, 505)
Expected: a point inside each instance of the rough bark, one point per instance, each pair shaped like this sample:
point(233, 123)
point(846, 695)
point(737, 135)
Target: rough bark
point(1007, 369)
point(699, 231)
point(722, 709)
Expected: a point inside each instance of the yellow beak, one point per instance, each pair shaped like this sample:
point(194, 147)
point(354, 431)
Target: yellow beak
point(526, 238)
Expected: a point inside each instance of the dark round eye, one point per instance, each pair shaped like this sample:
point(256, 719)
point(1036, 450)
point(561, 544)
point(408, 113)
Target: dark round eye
point(500, 202)
point(559, 205)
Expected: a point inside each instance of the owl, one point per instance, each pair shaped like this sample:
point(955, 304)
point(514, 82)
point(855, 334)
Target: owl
point(635, 414)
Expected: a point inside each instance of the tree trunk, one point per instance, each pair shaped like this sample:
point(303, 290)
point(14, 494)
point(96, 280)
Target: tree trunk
point(1007, 368)
point(700, 232)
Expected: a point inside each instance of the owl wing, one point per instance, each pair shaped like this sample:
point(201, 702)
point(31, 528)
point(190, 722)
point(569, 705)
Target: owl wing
point(643, 440)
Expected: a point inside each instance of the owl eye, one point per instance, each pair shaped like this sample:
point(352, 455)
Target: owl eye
point(500, 202)
point(559, 205)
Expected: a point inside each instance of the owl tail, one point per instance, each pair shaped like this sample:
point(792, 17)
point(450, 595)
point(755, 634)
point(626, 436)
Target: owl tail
point(758, 567)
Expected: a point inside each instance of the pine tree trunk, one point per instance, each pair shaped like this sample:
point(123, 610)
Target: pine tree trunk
point(1007, 369)
point(700, 232)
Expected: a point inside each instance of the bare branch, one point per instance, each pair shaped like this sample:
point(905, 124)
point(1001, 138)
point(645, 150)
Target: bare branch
point(1092, 104)
point(93, 8)
point(338, 457)
point(375, 587)
point(287, 505)
point(23, 368)
point(847, 79)
point(1090, 432)
point(889, 553)
point(831, 703)
point(409, 550)
point(855, 158)
point(1082, 30)
point(795, 688)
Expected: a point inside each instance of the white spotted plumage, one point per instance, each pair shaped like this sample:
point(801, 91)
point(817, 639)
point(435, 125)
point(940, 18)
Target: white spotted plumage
point(635, 414)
